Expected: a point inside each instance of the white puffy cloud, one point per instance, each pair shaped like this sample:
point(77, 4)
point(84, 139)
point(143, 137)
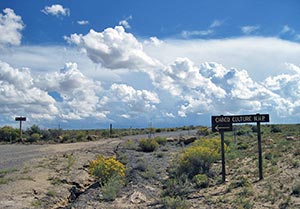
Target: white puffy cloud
point(19, 95)
point(261, 57)
point(80, 95)
point(113, 48)
point(135, 100)
point(56, 10)
point(248, 29)
point(212, 89)
point(11, 26)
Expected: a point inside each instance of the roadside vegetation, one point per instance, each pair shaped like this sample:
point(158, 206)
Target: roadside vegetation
point(185, 171)
point(35, 134)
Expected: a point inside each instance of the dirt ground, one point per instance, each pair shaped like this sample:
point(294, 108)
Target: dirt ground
point(30, 174)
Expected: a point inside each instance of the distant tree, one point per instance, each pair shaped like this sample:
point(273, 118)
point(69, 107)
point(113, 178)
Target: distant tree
point(8, 134)
point(34, 137)
point(33, 129)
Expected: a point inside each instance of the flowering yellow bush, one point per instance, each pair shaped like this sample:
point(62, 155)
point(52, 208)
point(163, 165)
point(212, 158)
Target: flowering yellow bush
point(106, 168)
point(198, 158)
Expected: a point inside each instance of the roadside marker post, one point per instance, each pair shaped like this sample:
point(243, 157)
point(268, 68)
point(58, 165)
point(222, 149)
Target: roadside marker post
point(20, 119)
point(224, 123)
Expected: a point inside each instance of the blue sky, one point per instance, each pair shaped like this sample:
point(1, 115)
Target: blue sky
point(131, 63)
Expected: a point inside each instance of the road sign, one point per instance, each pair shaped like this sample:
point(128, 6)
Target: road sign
point(240, 119)
point(224, 123)
point(222, 127)
point(20, 118)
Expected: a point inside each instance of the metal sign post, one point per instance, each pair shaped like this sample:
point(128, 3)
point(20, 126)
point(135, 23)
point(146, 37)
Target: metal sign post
point(260, 164)
point(20, 119)
point(223, 157)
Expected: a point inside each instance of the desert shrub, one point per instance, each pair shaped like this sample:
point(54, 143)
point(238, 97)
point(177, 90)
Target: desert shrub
point(175, 203)
point(243, 145)
point(179, 186)
point(148, 145)
point(141, 165)
point(34, 137)
point(241, 132)
point(198, 158)
point(200, 180)
point(8, 134)
point(275, 129)
point(106, 168)
point(130, 145)
point(111, 189)
point(161, 140)
point(296, 190)
point(203, 131)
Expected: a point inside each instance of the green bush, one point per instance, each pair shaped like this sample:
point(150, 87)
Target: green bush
point(111, 189)
point(201, 180)
point(130, 145)
point(161, 140)
point(8, 134)
point(198, 158)
point(275, 129)
point(148, 145)
point(203, 131)
point(296, 190)
point(179, 186)
point(175, 203)
point(34, 137)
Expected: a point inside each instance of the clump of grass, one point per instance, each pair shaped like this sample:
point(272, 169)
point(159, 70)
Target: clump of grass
point(148, 145)
point(296, 190)
point(175, 203)
point(111, 189)
point(201, 180)
point(161, 140)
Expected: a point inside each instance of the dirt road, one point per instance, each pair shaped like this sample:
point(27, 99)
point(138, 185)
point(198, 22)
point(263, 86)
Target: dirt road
point(15, 155)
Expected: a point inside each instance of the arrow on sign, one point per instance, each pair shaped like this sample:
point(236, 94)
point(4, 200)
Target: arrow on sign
point(223, 127)
point(219, 128)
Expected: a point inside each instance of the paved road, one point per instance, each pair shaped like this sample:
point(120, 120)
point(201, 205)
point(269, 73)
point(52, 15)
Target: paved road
point(15, 155)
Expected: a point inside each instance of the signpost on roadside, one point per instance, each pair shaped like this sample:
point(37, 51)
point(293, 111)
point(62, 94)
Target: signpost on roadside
point(224, 123)
point(20, 119)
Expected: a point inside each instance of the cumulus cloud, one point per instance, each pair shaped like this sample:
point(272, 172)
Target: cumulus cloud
point(210, 88)
point(248, 29)
point(11, 26)
point(131, 100)
point(113, 48)
point(80, 95)
point(19, 95)
point(260, 56)
point(56, 10)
